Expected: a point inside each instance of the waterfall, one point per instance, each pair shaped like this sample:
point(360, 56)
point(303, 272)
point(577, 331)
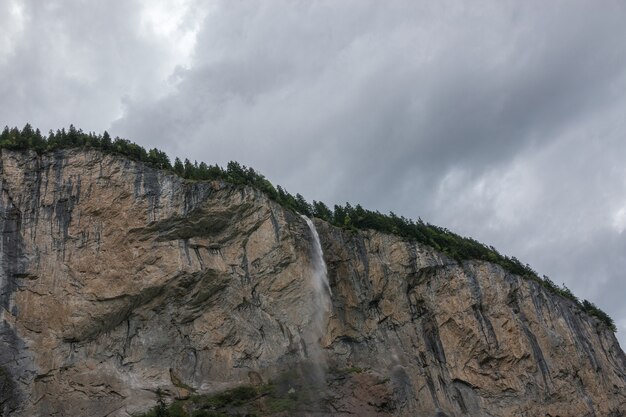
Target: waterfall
point(320, 273)
point(321, 304)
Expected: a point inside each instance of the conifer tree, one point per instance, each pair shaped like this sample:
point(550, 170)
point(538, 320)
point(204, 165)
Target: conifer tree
point(179, 168)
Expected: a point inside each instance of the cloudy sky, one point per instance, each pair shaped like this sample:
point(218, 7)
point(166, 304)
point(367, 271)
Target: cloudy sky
point(501, 120)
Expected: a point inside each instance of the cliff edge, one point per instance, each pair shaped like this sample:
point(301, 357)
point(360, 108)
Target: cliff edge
point(118, 280)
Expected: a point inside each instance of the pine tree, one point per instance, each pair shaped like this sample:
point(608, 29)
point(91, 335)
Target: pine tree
point(189, 171)
point(106, 142)
point(179, 168)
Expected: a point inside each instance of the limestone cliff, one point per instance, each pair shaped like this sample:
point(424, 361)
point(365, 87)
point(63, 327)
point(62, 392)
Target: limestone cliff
point(117, 280)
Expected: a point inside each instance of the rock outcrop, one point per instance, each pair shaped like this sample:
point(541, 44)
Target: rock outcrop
point(118, 280)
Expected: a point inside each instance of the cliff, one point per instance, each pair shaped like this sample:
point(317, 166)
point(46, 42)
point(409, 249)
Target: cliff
point(118, 280)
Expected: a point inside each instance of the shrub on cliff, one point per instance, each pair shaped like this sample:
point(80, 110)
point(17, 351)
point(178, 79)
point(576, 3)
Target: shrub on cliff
point(592, 309)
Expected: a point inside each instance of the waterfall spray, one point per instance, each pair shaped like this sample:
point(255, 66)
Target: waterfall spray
point(321, 304)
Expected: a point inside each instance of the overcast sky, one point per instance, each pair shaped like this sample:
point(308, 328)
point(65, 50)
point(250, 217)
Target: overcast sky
point(501, 120)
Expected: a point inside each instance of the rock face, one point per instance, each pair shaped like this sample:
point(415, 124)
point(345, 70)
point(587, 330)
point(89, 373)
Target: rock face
point(117, 279)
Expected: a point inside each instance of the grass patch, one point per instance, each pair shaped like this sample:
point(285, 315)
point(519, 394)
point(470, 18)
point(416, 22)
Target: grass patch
point(288, 394)
point(276, 405)
point(233, 397)
point(351, 370)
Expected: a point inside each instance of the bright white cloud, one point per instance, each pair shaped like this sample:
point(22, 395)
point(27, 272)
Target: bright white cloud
point(619, 219)
point(13, 22)
point(174, 25)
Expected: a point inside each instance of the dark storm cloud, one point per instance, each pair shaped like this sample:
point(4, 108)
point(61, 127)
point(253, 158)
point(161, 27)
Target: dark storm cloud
point(498, 119)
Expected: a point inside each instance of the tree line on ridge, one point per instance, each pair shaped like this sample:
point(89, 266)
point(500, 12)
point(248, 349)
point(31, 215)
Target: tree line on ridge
point(345, 216)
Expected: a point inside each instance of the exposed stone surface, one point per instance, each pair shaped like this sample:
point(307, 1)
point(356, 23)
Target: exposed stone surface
point(118, 279)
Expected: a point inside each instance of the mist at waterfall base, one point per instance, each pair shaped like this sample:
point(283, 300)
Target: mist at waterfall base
point(321, 305)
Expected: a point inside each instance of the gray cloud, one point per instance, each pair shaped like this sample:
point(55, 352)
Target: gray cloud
point(559, 206)
point(500, 120)
point(76, 62)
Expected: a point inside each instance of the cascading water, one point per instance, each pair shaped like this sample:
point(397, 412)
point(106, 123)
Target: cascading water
point(320, 273)
point(321, 304)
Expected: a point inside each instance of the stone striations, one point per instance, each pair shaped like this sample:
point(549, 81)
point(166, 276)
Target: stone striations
point(117, 280)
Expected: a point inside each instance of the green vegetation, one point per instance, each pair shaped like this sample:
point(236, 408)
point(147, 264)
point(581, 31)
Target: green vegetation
point(587, 306)
point(591, 309)
point(233, 397)
point(348, 217)
point(350, 370)
point(240, 401)
point(161, 409)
